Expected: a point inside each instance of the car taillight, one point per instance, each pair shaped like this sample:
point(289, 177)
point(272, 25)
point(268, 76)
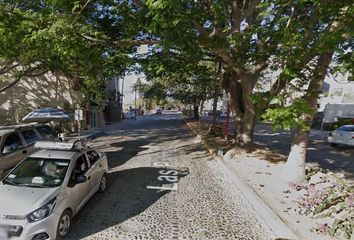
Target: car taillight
point(352, 137)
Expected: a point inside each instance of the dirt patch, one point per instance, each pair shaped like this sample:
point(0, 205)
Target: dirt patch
point(211, 138)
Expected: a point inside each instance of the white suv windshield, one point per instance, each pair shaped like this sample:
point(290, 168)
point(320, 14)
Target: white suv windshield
point(39, 172)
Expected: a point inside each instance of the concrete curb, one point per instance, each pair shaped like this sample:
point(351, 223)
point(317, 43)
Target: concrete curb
point(273, 221)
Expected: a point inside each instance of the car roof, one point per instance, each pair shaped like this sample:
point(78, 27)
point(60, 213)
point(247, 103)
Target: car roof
point(13, 128)
point(4, 132)
point(346, 126)
point(57, 154)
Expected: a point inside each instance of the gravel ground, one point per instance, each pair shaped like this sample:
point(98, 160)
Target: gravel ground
point(145, 153)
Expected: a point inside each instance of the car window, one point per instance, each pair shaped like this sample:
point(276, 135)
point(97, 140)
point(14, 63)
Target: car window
point(12, 142)
point(93, 156)
point(30, 136)
point(81, 165)
point(346, 129)
point(80, 168)
point(45, 131)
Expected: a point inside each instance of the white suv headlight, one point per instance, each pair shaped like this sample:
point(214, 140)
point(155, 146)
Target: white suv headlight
point(42, 212)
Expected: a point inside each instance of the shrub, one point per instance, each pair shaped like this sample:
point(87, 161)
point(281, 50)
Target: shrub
point(327, 195)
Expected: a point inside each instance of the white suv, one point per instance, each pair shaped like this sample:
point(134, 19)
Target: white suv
point(16, 143)
point(343, 135)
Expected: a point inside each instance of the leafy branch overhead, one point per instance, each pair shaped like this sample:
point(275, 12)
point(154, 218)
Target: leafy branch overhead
point(88, 40)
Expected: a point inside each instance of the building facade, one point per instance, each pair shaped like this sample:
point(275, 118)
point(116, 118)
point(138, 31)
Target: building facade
point(47, 90)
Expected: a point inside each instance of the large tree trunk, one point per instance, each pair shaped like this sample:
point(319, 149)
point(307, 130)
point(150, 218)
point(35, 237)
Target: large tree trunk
point(249, 118)
point(201, 107)
point(237, 105)
point(217, 90)
point(196, 111)
point(215, 105)
point(240, 89)
point(294, 169)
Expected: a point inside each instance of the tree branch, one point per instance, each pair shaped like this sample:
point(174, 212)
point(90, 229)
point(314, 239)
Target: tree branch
point(120, 43)
point(250, 9)
point(135, 42)
point(138, 3)
point(11, 84)
point(235, 18)
point(7, 68)
point(200, 28)
point(35, 74)
point(28, 73)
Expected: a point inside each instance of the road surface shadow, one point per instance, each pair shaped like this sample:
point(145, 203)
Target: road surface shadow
point(121, 151)
point(129, 149)
point(126, 196)
point(320, 153)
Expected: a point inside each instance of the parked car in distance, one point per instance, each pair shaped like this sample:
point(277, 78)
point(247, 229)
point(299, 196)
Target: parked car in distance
point(129, 115)
point(158, 111)
point(40, 196)
point(343, 135)
point(16, 143)
point(224, 114)
point(205, 113)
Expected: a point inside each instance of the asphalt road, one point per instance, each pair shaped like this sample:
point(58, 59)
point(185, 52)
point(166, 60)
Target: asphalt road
point(199, 202)
point(320, 153)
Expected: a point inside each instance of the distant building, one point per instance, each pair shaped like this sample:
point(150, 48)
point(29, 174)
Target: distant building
point(338, 89)
point(337, 99)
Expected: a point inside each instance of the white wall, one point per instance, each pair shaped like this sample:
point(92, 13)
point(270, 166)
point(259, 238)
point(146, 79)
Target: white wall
point(45, 91)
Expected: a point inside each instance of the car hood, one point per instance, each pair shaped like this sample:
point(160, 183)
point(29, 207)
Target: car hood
point(16, 200)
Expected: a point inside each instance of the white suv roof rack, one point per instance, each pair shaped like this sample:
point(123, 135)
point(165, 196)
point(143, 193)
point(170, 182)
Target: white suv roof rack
point(20, 126)
point(75, 145)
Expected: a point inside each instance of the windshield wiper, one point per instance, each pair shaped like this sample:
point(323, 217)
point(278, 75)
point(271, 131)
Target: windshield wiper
point(32, 185)
point(8, 181)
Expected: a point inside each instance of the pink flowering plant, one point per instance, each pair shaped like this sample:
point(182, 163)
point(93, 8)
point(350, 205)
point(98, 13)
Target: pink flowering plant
point(327, 195)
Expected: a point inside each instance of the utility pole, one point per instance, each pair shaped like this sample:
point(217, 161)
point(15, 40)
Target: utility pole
point(135, 105)
point(122, 95)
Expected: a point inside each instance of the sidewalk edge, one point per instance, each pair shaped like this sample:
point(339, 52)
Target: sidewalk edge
point(274, 222)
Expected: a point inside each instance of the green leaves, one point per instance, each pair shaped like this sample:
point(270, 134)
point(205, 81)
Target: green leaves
point(294, 116)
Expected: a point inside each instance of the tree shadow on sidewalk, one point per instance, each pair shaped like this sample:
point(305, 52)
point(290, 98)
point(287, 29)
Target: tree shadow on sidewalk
point(126, 197)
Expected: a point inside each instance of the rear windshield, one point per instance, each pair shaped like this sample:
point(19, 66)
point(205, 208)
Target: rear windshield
point(45, 131)
point(346, 129)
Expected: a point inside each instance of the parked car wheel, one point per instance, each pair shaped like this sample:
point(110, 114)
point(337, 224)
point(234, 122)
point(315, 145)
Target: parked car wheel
point(334, 144)
point(64, 224)
point(103, 184)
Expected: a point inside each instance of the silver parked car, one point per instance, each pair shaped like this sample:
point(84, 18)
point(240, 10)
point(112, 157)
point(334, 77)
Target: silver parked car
point(16, 143)
point(40, 196)
point(343, 135)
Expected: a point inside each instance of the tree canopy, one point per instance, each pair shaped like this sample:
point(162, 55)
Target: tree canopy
point(295, 42)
